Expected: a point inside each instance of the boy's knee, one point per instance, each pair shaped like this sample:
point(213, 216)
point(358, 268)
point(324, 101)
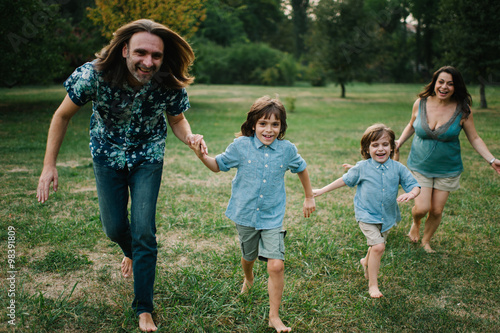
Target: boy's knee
point(275, 266)
point(379, 248)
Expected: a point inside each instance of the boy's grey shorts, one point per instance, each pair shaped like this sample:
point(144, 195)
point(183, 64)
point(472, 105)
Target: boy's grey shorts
point(264, 244)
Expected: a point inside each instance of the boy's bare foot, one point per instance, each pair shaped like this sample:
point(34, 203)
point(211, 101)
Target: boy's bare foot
point(278, 325)
point(126, 267)
point(247, 284)
point(146, 323)
point(374, 292)
point(414, 233)
point(427, 248)
point(364, 264)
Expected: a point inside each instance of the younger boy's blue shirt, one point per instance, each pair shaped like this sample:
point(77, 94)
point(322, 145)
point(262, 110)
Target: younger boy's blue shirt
point(377, 190)
point(258, 196)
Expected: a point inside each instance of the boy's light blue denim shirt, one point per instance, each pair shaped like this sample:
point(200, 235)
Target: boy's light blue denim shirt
point(377, 190)
point(258, 197)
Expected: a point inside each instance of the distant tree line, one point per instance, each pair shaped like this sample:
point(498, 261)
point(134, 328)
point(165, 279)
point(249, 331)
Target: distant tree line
point(273, 42)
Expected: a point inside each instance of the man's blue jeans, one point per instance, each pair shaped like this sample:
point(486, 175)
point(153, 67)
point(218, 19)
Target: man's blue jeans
point(136, 238)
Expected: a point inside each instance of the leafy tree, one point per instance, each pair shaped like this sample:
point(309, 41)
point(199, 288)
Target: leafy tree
point(182, 16)
point(470, 39)
point(342, 40)
point(222, 24)
point(32, 41)
point(425, 12)
point(300, 24)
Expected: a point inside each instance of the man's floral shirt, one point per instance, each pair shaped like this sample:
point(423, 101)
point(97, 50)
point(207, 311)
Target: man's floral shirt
point(128, 126)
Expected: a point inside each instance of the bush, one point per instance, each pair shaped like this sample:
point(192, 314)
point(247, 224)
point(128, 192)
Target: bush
point(243, 63)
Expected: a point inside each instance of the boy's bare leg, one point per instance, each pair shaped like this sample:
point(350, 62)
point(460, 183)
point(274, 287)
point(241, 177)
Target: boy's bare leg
point(248, 272)
point(146, 323)
point(126, 267)
point(364, 262)
point(276, 284)
point(376, 253)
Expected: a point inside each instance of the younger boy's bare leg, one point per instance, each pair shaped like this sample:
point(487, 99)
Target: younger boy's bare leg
point(364, 262)
point(248, 272)
point(376, 253)
point(276, 284)
point(126, 267)
point(146, 323)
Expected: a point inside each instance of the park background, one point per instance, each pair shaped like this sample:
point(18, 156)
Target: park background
point(338, 66)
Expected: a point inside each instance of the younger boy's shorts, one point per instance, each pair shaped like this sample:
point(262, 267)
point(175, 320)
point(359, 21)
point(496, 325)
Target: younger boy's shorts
point(373, 234)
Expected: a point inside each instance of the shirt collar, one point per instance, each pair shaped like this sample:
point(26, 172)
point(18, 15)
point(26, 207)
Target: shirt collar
point(258, 144)
point(381, 166)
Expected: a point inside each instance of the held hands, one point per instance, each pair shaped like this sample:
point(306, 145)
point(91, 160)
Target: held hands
point(496, 165)
point(198, 145)
point(309, 206)
point(49, 175)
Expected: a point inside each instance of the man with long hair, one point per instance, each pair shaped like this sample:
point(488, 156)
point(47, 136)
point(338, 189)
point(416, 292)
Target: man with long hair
point(134, 81)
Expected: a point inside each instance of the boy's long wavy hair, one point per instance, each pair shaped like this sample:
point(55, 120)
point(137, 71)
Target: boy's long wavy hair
point(177, 58)
point(373, 133)
point(461, 95)
point(264, 107)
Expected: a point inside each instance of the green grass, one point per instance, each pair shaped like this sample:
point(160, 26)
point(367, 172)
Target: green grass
point(67, 271)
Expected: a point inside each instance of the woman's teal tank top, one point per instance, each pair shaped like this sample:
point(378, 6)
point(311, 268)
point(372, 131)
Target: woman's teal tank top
point(436, 153)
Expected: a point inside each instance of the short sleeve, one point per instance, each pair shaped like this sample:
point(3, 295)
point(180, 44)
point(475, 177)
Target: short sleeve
point(177, 102)
point(230, 158)
point(407, 181)
point(81, 85)
point(351, 178)
point(297, 163)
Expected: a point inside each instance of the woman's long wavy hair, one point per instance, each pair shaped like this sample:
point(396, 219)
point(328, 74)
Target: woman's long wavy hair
point(461, 95)
point(177, 59)
point(264, 107)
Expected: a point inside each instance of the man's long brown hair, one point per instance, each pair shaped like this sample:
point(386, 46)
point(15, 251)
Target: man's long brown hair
point(177, 58)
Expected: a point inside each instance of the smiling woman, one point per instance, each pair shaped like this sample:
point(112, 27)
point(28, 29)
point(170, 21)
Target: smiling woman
point(439, 115)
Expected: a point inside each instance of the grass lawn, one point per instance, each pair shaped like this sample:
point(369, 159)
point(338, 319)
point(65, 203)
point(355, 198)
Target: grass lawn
point(64, 276)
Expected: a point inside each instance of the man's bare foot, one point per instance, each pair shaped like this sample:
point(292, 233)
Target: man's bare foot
point(278, 325)
point(374, 292)
point(247, 284)
point(427, 248)
point(414, 233)
point(364, 264)
point(126, 267)
point(146, 323)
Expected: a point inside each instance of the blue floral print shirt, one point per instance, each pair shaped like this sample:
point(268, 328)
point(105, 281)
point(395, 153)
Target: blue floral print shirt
point(258, 196)
point(377, 190)
point(128, 126)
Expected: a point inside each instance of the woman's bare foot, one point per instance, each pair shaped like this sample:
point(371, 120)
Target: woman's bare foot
point(414, 233)
point(146, 323)
point(427, 248)
point(247, 284)
point(374, 292)
point(278, 325)
point(364, 264)
point(126, 267)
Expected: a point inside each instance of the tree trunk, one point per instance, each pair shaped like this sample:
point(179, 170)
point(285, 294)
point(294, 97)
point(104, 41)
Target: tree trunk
point(482, 93)
point(342, 87)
